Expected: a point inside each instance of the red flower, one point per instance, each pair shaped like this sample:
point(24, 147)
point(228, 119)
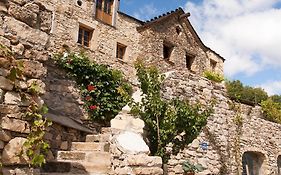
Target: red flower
point(88, 98)
point(91, 88)
point(93, 107)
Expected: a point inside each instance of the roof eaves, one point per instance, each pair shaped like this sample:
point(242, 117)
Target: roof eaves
point(201, 42)
point(160, 18)
point(131, 17)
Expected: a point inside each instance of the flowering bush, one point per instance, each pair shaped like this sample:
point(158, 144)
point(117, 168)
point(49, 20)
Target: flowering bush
point(104, 90)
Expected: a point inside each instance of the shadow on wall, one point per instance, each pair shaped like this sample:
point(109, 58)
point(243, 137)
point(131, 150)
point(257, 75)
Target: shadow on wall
point(253, 163)
point(64, 167)
point(62, 96)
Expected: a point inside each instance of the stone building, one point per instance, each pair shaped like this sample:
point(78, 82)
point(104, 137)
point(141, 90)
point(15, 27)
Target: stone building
point(35, 29)
point(113, 37)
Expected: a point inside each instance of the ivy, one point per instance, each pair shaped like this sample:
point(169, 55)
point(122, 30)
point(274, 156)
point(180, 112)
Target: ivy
point(35, 146)
point(167, 122)
point(104, 90)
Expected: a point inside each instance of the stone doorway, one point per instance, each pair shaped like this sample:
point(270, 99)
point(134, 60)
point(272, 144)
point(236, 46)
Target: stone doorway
point(252, 163)
point(279, 165)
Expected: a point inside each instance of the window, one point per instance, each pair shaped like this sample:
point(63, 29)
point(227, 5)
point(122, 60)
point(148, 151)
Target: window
point(79, 2)
point(84, 36)
point(104, 10)
point(99, 4)
point(120, 51)
point(167, 51)
point(178, 30)
point(213, 65)
point(189, 60)
point(107, 6)
point(252, 163)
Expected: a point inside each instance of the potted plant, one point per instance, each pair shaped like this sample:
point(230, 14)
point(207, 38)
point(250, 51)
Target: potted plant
point(191, 169)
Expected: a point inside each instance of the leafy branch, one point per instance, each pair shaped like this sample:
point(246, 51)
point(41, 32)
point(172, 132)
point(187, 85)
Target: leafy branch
point(173, 121)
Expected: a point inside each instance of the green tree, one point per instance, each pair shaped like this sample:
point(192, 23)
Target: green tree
point(173, 121)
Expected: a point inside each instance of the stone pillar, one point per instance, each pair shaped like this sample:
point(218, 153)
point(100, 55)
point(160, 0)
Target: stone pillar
point(115, 10)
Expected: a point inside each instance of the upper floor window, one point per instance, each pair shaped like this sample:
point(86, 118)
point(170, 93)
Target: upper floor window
point(99, 4)
point(84, 36)
point(104, 10)
point(107, 6)
point(189, 60)
point(167, 51)
point(213, 65)
point(120, 51)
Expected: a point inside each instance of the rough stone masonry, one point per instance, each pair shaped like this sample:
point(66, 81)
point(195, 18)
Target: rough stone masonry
point(36, 29)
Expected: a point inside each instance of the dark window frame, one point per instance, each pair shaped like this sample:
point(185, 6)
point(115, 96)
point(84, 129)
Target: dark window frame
point(84, 36)
point(120, 51)
point(213, 64)
point(107, 6)
point(167, 50)
point(99, 4)
point(189, 59)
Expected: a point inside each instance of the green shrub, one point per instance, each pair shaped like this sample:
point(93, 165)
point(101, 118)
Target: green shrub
point(166, 120)
point(245, 94)
point(271, 110)
point(213, 76)
point(104, 90)
point(276, 98)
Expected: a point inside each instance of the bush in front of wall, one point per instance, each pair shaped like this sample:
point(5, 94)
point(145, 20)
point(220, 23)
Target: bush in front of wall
point(104, 90)
point(213, 76)
point(245, 94)
point(271, 110)
point(175, 121)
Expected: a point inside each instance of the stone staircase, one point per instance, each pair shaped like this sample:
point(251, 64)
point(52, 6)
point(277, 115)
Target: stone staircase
point(91, 157)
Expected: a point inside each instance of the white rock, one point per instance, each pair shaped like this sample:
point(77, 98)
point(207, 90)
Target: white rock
point(131, 143)
point(127, 123)
point(12, 98)
point(12, 151)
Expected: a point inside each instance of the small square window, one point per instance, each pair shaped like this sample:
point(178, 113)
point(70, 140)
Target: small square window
point(120, 51)
point(167, 51)
point(213, 65)
point(84, 36)
point(189, 60)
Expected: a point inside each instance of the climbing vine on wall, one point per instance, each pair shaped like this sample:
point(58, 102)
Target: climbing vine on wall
point(35, 146)
point(104, 90)
point(238, 121)
point(175, 121)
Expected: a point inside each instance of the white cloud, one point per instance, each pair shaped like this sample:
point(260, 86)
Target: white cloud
point(246, 32)
point(146, 12)
point(272, 87)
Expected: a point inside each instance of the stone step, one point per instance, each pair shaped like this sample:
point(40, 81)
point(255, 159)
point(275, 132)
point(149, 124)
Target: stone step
point(89, 146)
point(75, 168)
point(98, 138)
point(106, 130)
point(94, 157)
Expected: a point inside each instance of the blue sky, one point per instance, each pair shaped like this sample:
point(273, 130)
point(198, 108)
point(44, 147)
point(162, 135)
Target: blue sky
point(246, 33)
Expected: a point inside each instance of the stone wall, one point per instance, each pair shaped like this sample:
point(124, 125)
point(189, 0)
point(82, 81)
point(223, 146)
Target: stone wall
point(25, 29)
point(232, 130)
point(177, 33)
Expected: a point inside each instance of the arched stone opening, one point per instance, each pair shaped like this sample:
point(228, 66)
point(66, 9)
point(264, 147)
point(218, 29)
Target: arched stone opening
point(253, 163)
point(279, 165)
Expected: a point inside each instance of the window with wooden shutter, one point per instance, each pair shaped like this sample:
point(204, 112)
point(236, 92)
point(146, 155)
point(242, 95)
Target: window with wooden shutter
point(84, 36)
